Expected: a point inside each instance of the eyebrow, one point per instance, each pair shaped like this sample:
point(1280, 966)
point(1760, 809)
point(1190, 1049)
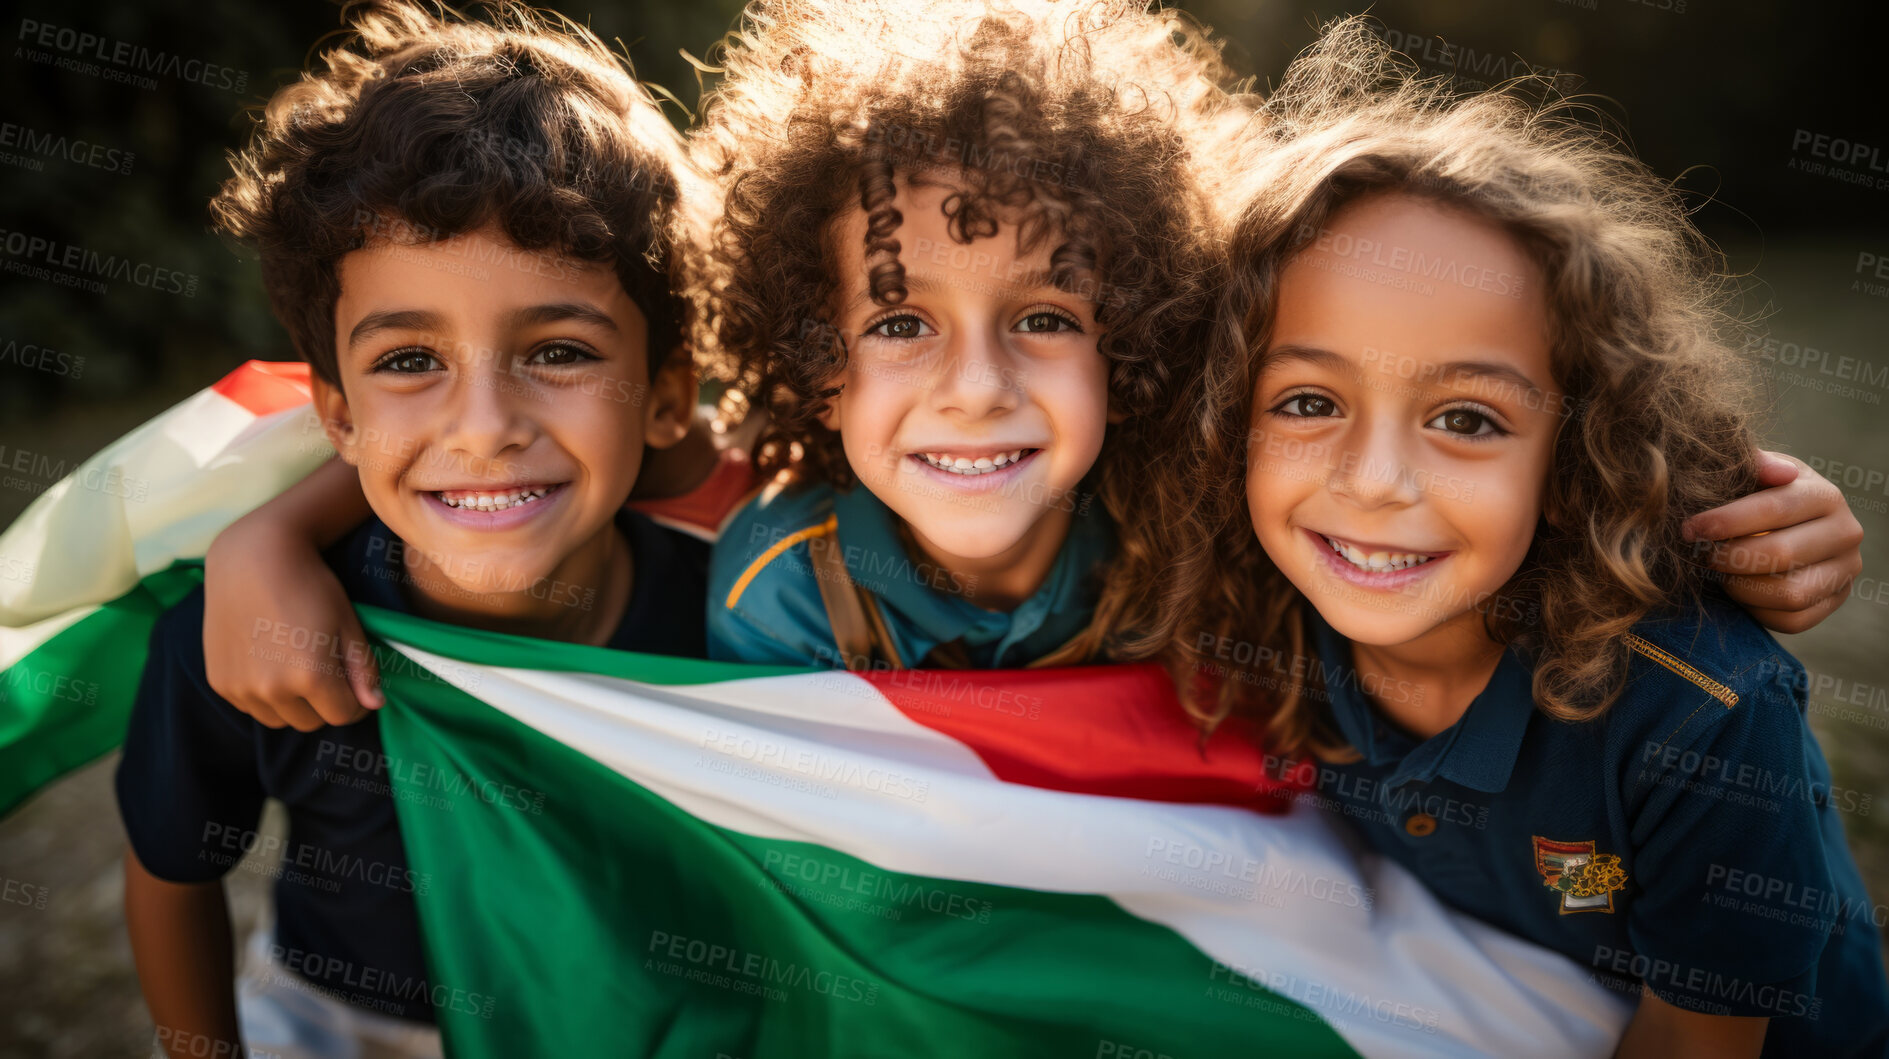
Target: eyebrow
point(559, 312)
point(426, 320)
point(392, 320)
point(1455, 369)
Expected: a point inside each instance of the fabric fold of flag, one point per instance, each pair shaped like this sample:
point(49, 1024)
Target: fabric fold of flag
point(86, 569)
point(662, 857)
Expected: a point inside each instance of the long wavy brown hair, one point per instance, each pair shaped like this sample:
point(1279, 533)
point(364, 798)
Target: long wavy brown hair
point(1085, 124)
point(419, 124)
point(1659, 427)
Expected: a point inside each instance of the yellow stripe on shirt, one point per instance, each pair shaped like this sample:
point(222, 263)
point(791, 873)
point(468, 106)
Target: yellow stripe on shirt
point(1710, 686)
point(831, 525)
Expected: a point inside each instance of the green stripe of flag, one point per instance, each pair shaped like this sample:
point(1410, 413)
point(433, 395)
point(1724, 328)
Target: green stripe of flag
point(517, 652)
point(68, 700)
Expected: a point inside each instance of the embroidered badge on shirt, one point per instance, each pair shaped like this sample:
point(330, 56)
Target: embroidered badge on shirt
point(1585, 879)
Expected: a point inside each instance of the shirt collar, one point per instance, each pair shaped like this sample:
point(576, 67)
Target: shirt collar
point(667, 587)
point(1477, 752)
point(927, 606)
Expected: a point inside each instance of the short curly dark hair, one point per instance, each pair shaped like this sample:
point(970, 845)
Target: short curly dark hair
point(422, 125)
point(1086, 122)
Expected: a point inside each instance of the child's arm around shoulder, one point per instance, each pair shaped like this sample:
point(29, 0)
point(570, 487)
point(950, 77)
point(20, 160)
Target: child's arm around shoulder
point(764, 603)
point(281, 640)
point(276, 619)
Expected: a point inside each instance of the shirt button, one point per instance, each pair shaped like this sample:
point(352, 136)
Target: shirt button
point(1420, 825)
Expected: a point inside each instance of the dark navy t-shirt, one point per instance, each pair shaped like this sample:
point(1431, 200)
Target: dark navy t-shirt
point(195, 773)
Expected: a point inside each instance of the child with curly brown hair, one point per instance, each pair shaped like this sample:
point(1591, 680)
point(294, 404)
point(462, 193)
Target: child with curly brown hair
point(1470, 384)
point(966, 250)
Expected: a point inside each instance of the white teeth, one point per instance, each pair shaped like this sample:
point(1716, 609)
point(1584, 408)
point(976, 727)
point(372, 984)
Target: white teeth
point(1376, 562)
point(969, 466)
point(495, 501)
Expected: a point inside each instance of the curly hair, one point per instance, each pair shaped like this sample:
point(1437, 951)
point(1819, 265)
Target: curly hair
point(421, 125)
point(1084, 124)
point(1659, 424)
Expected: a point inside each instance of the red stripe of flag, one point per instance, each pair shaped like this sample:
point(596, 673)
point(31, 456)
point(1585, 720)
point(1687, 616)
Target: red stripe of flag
point(1112, 730)
point(264, 386)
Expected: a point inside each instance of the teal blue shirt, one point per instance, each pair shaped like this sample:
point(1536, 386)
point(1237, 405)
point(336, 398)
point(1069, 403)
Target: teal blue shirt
point(765, 606)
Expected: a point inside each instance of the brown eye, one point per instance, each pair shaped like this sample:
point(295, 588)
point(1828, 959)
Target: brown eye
point(560, 354)
point(1466, 422)
point(1309, 406)
point(902, 326)
point(1045, 322)
point(409, 362)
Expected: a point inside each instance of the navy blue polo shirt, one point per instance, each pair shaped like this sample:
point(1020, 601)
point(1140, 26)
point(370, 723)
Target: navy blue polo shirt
point(1689, 839)
point(195, 772)
point(764, 593)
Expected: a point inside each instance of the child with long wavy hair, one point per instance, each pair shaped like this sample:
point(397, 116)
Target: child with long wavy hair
point(966, 251)
point(1470, 381)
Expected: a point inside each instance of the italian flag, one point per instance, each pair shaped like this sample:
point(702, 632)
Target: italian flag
point(640, 855)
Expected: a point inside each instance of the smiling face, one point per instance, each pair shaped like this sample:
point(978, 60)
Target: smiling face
point(1404, 419)
point(974, 407)
point(497, 415)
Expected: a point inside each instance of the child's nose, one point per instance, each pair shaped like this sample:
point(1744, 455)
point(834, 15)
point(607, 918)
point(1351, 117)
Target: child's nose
point(1376, 469)
point(485, 418)
point(977, 378)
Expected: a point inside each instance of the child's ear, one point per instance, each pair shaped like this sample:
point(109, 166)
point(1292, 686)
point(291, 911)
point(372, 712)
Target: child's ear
point(672, 396)
point(336, 421)
point(829, 414)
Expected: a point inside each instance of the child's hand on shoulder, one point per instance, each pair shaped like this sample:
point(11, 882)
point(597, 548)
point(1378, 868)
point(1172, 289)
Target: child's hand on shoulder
point(1790, 551)
point(273, 615)
point(281, 640)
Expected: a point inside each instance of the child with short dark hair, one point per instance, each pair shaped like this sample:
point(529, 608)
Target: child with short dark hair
point(1471, 389)
point(464, 226)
